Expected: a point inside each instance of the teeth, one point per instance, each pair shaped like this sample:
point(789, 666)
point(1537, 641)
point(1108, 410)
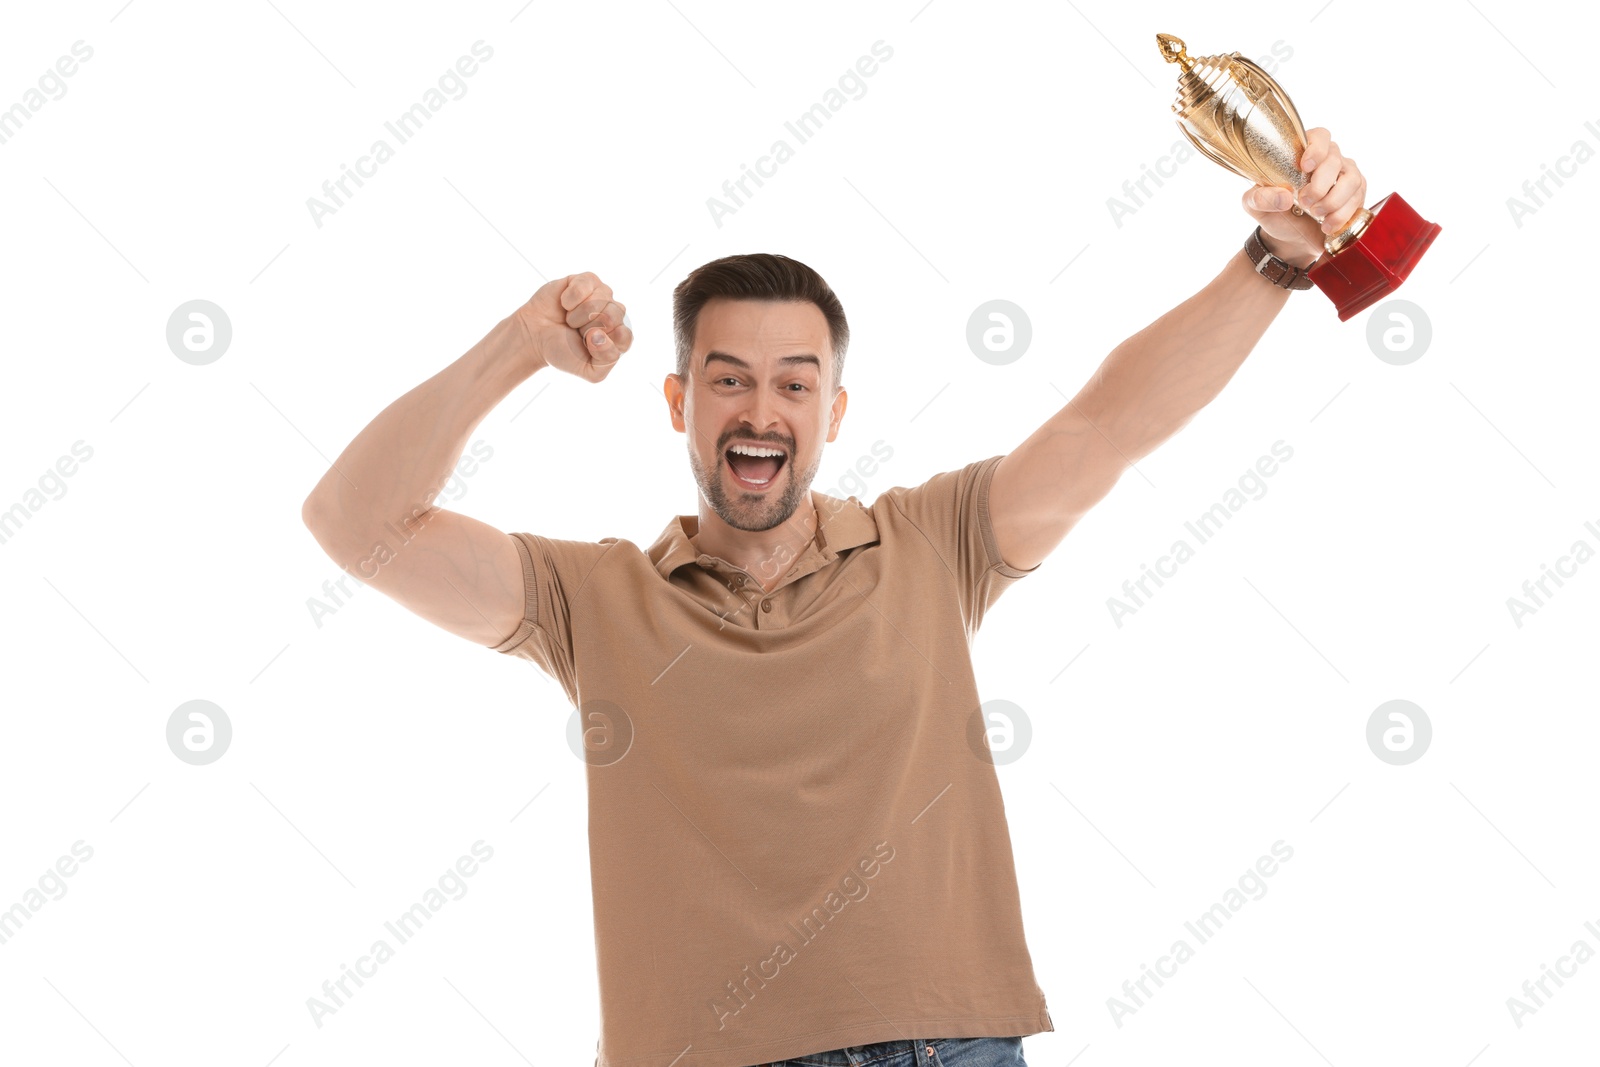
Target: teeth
point(760, 451)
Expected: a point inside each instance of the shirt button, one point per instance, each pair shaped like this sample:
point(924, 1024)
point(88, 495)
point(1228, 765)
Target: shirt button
point(766, 605)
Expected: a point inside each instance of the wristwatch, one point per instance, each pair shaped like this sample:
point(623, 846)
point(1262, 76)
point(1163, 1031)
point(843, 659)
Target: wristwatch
point(1283, 275)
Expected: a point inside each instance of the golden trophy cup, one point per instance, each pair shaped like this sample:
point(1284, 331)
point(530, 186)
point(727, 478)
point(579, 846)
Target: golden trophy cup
point(1235, 114)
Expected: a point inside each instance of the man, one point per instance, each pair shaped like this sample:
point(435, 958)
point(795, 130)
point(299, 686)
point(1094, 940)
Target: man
point(797, 839)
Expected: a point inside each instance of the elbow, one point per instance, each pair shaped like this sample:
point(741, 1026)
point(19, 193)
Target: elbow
point(311, 512)
point(315, 515)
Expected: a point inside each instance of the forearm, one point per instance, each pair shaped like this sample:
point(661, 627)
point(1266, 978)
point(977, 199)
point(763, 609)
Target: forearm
point(1153, 383)
point(394, 468)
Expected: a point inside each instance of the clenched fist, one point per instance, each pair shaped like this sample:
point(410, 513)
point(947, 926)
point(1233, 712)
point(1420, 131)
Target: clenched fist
point(576, 326)
point(1334, 191)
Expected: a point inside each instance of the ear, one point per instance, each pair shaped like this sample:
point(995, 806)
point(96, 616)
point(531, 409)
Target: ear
point(672, 389)
point(841, 400)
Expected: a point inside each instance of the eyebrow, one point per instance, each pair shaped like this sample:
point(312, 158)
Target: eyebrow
point(741, 364)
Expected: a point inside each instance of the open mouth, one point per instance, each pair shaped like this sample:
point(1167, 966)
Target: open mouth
point(754, 472)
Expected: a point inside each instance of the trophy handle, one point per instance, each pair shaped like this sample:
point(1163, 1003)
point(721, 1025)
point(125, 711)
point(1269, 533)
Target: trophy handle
point(1267, 84)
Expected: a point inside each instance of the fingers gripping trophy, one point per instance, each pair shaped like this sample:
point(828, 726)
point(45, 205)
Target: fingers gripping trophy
point(1239, 117)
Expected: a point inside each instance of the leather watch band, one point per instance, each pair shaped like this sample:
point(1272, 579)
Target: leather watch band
point(1283, 275)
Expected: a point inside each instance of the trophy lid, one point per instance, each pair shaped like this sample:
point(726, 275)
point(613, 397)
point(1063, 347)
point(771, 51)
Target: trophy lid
point(1172, 50)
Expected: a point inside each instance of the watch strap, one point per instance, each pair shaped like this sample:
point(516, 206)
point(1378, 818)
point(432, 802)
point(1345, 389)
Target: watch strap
point(1278, 272)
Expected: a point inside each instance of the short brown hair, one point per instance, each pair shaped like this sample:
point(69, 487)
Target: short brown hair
point(755, 276)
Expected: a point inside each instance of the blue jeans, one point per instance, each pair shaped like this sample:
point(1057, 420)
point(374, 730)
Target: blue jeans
point(921, 1052)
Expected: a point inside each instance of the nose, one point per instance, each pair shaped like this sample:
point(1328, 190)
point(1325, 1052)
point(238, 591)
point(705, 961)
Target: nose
point(760, 413)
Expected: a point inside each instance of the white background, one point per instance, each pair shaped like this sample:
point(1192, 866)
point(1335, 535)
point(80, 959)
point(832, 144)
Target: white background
point(372, 750)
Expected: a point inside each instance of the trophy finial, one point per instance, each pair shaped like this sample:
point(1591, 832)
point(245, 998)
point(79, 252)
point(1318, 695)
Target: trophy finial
point(1172, 50)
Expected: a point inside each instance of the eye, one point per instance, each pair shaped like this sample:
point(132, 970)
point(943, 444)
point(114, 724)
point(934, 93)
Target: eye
point(719, 381)
point(801, 385)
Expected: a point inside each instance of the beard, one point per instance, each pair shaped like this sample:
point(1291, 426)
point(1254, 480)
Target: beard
point(753, 511)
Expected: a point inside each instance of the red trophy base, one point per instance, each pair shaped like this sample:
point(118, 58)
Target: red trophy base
point(1374, 264)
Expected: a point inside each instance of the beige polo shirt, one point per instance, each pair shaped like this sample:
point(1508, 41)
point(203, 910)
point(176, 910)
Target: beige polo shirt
point(797, 840)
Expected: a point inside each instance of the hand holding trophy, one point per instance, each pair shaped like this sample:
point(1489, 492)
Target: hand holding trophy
point(1239, 117)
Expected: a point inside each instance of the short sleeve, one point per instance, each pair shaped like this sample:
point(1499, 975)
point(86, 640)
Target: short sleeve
point(951, 510)
point(553, 573)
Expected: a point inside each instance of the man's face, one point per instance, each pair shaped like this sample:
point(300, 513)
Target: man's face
point(760, 373)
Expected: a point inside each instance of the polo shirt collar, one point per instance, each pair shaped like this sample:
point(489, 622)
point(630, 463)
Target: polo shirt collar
point(841, 524)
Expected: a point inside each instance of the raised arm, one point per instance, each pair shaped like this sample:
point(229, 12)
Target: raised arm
point(1153, 383)
point(373, 511)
